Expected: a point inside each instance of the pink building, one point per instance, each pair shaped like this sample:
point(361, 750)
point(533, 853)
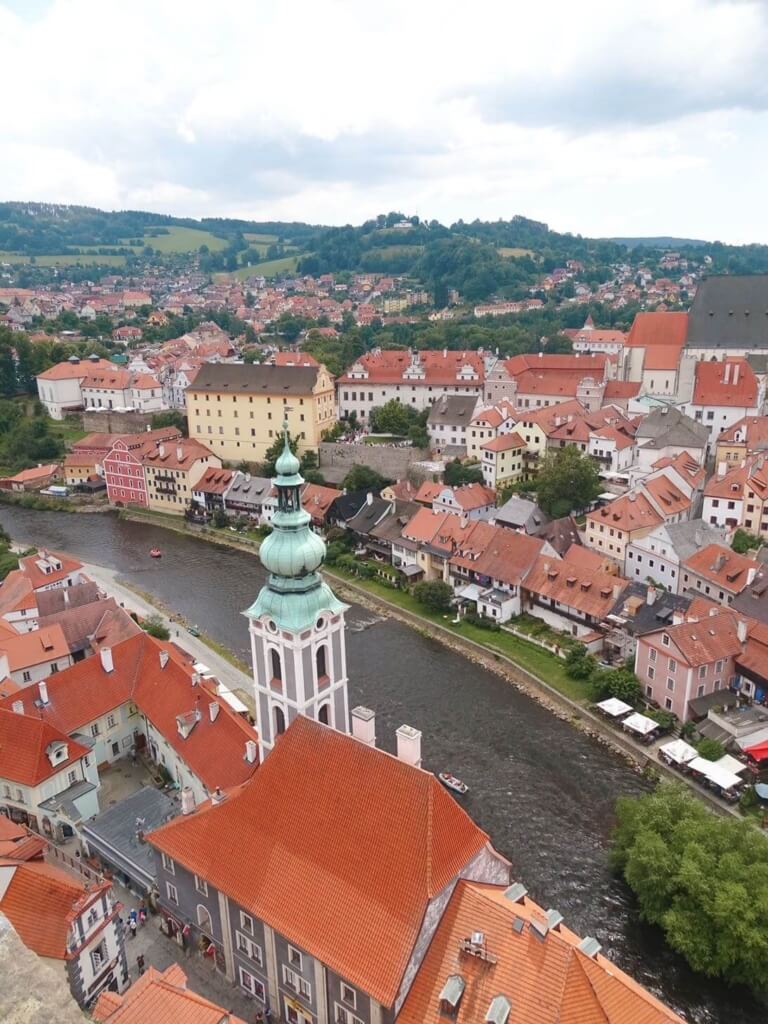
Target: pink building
point(123, 470)
point(691, 659)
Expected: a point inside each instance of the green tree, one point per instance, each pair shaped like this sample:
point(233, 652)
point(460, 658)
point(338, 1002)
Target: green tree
point(434, 595)
point(155, 626)
point(274, 452)
point(618, 683)
point(391, 418)
point(579, 664)
point(710, 750)
point(363, 478)
point(702, 878)
point(458, 473)
point(170, 418)
point(568, 481)
point(744, 541)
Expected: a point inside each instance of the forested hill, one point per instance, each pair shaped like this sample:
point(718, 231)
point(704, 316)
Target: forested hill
point(478, 258)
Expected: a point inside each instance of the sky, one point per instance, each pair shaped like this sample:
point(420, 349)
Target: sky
point(599, 117)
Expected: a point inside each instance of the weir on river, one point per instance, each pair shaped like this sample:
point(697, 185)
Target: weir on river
point(542, 790)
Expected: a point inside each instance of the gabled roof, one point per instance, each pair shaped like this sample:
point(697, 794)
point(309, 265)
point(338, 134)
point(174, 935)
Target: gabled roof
point(669, 498)
point(213, 750)
point(24, 740)
point(662, 335)
point(504, 443)
point(730, 383)
point(181, 454)
point(751, 431)
point(17, 593)
point(469, 496)
point(630, 512)
point(214, 481)
point(36, 474)
point(544, 976)
point(17, 842)
point(37, 575)
point(686, 465)
point(36, 647)
point(589, 591)
point(454, 410)
point(730, 485)
point(704, 640)
point(255, 379)
point(722, 566)
point(389, 366)
point(427, 493)
point(160, 998)
point(39, 902)
point(497, 552)
point(313, 844)
point(666, 425)
point(75, 370)
point(729, 311)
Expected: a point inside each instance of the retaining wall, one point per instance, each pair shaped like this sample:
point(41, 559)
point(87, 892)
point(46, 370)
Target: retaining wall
point(337, 459)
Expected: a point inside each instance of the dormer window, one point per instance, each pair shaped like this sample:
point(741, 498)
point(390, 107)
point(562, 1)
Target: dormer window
point(450, 996)
point(665, 639)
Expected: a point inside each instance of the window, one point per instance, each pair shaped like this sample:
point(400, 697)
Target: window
point(246, 923)
point(19, 796)
point(670, 683)
point(201, 885)
point(252, 985)
point(324, 713)
point(111, 721)
point(71, 778)
point(343, 1016)
point(651, 672)
point(249, 948)
point(99, 956)
point(26, 676)
point(204, 919)
point(168, 864)
point(719, 667)
point(277, 668)
point(93, 917)
point(173, 895)
point(668, 703)
point(665, 639)
point(95, 729)
point(294, 981)
point(652, 654)
point(295, 958)
point(700, 691)
point(348, 996)
point(672, 665)
point(320, 662)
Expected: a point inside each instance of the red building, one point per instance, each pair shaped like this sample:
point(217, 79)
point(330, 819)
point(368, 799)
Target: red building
point(123, 470)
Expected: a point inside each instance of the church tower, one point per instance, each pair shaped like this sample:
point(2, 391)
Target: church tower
point(296, 623)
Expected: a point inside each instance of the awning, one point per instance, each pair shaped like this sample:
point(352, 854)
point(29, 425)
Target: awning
point(679, 751)
point(614, 707)
point(730, 764)
point(718, 776)
point(640, 723)
point(759, 751)
point(234, 702)
point(411, 570)
point(469, 593)
point(751, 739)
point(713, 731)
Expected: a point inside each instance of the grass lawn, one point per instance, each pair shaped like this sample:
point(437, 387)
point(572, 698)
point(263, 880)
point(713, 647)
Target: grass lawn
point(383, 439)
point(85, 259)
point(181, 239)
point(271, 268)
point(529, 656)
point(68, 432)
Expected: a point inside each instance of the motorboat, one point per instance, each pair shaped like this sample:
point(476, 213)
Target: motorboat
point(155, 553)
point(193, 631)
point(451, 782)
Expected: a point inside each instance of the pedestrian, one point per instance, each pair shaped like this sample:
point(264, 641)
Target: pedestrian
point(133, 915)
point(140, 963)
point(132, 926)
point(142, 917)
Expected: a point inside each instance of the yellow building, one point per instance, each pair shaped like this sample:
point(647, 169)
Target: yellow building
point(238, 409)
point(502, 460)
point(171, 471)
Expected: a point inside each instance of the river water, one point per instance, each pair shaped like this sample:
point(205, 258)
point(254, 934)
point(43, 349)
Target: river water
point(542, 790)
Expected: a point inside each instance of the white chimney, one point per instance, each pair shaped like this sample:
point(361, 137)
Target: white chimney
point(369, 498)
point(727, 373)
point(213, 710)
point(217, 796)
point(43, 689)
point(163, 658)
point(741, 631)
point(179, 452)
point(722, 468)
point(105, 653)
point(18, 707)
point(161, 449)
point(616, 591)
point(195, 678)
point(187, 800)
point(751, 573)
point(735, 374)
point(250, 751)
point(364, 725)
point(409, 745)
point(650, 597)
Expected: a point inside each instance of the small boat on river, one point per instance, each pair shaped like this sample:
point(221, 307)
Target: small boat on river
point(155, 553)
point(451, 782)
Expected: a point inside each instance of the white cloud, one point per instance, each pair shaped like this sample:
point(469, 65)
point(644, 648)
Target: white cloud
point(596, 117)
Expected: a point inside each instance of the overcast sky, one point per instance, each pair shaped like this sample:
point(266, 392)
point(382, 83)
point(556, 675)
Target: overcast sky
point(598, 117)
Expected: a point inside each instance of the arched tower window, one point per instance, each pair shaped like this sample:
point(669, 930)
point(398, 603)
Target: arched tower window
point(279, 718)
point(324, 714)
point(321, 662)
point(277, 665)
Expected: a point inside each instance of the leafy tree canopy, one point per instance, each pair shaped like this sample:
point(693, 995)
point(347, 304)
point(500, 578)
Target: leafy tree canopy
point(434, 595)
point(568, 480)
point(458, 473)
point(363, 478)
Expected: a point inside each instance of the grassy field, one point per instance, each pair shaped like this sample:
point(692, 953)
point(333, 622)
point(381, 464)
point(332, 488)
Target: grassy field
point(181, 239)
point(272, 268)
point(254, 236)
point(507, 253)
point(69, 432)
point(178, 240)
point(86, 259)
point(536, 660)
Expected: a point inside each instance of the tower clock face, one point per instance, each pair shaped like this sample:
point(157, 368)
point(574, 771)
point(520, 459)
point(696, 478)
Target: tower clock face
point(271, 626)
point(320, 624)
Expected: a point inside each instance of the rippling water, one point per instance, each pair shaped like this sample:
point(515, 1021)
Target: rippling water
point(542, 790)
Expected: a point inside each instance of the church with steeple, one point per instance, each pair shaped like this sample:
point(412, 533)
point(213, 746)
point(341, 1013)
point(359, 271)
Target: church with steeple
point(297, 624)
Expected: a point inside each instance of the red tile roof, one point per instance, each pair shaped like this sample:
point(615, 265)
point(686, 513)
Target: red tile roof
point(669, 498)
point(73, 371)
point(751, 431)
point(472, 496)
point(160, 998)
point(387, 366)
point(294, 359)
point(427, 493)
point(317, 499)
point(214, 481)
point(24, 740)
point(39, 903)
point(662, 335)
point(546, 980)
point(686, 465)
point(213, 750)
point(504, 443)
point(628, 513)
point(41, 579)
point(25, 650)
point(723, 567)
point(730, 383)
point(701, 642)
point(585, 589)
point(314, 844)
point(617, 389)
point(17, 842)
point(180, 454)
point(497, 552)
point(16, 593)
point(34, 475)
point(730, 485)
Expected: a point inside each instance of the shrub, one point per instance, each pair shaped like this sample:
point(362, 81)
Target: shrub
point(434, 595)
point(155, 626)
point(482, 622)
point(620, 684)
point(710, 750)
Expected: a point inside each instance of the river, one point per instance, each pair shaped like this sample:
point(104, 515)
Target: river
point(542, 790)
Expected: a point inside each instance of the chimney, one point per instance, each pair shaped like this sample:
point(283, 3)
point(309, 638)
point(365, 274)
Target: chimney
point(369, 498)
point(409, 745)
point(650, 597)
point(187, 800)
point(163, 659)
point(364, 725)
point(735, 373)
point(217, 796)
point(250, 751)
point(751, 573)
point(616, 591)
point(179, 452)
point(727, 373)
point(741, 631)
point(18, 707)
point(105, 653)
point(195, 678)
point(43, 690)
point(213, 710)
point(66, 598)
point(161, 450)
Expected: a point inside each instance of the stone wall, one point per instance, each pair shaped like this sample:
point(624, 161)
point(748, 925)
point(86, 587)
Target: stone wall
point(337, 459)
point(116, 422)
